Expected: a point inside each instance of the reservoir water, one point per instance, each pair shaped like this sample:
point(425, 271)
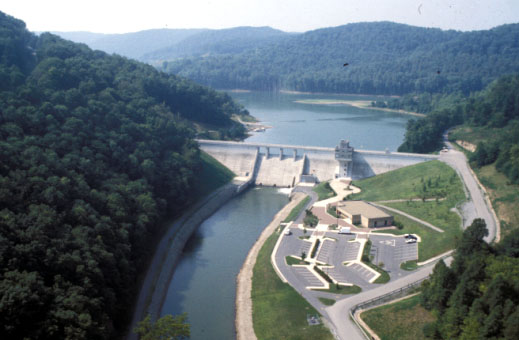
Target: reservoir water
point(203, 284)
point(322, 125)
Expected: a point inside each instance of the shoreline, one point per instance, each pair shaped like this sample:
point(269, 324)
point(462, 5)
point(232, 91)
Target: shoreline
point(361, 104)
point(340, 94)
point(243, 304)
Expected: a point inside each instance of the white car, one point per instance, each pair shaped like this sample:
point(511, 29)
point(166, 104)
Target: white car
point(410, 240)
point(287, 232)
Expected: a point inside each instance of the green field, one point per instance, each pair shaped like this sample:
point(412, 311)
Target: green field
point(432, 179)
point(324, 191)
point(278, 311)
point(403, 320)
point(297, 210)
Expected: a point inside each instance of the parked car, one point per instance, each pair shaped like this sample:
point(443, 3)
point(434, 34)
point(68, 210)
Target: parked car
point(410, 240)
point(411, 236)
point(287, 232)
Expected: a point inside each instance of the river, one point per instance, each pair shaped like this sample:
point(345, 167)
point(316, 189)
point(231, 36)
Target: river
point(203, 284)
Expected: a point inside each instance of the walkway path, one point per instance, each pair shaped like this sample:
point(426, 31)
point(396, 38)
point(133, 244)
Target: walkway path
point(427, 224)
point(244, 324)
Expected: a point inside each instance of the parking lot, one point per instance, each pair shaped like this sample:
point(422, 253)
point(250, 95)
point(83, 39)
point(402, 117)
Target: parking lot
point(338, 250)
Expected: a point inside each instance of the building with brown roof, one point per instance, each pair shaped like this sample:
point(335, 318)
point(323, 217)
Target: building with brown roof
point(363, 213)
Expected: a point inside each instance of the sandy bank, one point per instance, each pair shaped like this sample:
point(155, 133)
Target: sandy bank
point(361, 104)
point(244, 324)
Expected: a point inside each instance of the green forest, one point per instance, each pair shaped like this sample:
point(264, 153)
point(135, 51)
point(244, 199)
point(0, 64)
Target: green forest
point(495, 109)
point(381, 57)
point(477, 297)
point(96, 151)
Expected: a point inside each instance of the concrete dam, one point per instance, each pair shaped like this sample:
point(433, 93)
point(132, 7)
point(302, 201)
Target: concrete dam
point(288, 165)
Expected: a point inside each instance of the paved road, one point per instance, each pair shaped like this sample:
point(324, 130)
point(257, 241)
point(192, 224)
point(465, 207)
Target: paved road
point(477, 207)
point(339, 313)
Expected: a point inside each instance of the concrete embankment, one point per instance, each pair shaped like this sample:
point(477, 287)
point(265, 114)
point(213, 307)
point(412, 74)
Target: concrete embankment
point(169, 250)
point(244, 324)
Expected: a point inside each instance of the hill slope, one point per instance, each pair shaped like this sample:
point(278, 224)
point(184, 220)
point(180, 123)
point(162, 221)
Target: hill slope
point(383, 58)
point(95, 152)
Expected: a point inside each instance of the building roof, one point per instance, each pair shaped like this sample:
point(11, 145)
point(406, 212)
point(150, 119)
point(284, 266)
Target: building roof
point(362, 208)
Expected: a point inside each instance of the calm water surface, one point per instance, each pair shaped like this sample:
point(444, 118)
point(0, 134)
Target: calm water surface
point(203, 284)
point(322, 125)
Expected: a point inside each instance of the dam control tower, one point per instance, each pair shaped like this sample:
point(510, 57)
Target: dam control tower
point(344, 155)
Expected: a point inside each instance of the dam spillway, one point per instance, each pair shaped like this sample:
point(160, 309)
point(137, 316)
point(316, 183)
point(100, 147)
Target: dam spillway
point(287, 165)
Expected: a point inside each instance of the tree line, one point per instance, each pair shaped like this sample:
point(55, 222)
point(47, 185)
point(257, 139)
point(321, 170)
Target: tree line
point(96, 151)
point(495, 109)
point(477, 297)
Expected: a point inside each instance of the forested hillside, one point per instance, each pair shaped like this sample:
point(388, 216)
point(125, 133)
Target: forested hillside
point(478, 296)
point(95, 152)
point(494, 111)
point(383, 58)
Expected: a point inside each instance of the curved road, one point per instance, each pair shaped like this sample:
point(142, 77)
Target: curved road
point(478, 205)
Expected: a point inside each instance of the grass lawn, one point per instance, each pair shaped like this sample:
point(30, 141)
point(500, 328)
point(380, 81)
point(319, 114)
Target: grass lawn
point(341, 289)
point(212, 176)
point(399, 321)
point(437, 178)
point(324, 191)
point(366, 258)
point(293, 261)
point(278, 311)
point(409, 265)
point(297, 210)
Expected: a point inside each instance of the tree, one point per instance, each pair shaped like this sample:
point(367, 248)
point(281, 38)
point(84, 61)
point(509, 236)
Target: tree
point(168, 327)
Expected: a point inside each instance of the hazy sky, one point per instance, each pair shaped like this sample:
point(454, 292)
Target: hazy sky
point(118, 16)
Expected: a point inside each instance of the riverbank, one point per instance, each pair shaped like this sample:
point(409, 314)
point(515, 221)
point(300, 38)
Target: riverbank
point(361, 104)
point(244, 322)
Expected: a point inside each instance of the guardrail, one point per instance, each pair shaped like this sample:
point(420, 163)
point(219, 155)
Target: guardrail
point(379, 300)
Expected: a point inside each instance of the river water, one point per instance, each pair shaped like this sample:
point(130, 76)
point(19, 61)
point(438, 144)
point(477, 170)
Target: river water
point(204, 281)
point(203, 284)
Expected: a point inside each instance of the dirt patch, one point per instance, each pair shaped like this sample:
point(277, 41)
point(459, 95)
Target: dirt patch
point(244, 324)
point(466, 145)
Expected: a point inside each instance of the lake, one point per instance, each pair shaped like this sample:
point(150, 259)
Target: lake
point(204, 282)
point(322, 125)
